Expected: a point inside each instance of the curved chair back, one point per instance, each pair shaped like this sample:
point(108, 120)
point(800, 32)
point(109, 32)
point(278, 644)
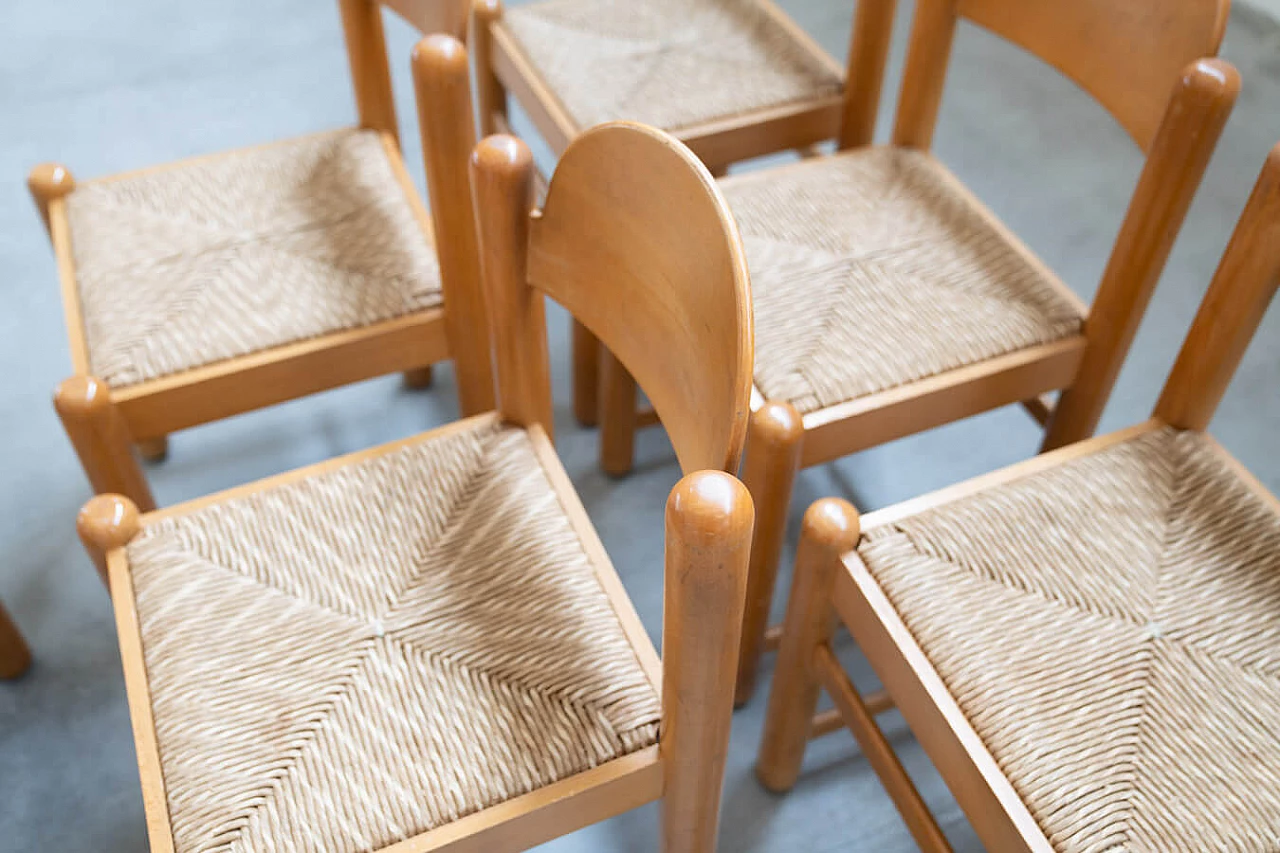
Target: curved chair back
point(1126, 55)
point(637, 243)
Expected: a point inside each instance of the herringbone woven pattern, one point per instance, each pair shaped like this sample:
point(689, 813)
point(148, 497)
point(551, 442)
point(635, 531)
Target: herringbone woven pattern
point(346, 661)
point(668, 63)
point(1111, 629)
point(869, 270)
point(240, 252)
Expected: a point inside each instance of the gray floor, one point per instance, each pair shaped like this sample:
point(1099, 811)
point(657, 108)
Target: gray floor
point(108, 87)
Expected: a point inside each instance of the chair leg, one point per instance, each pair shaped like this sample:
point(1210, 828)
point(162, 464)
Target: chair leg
point(418, 378)
point(769, 473)
point(15, 657)
point(831, 527)
point(617, 416)
point(154, 449)
point(586, 376)
point(491, 98)
point(708, 540)
point(105, 523)
point(101, 439)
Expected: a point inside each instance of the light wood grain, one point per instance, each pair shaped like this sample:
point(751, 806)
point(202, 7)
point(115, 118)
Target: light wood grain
point(441, 79)
point(448, 17)
point(1196, 114)
point(586, 375)
point(768, 471)
point(679, 314)
point(1231, 310)
point(618, 420)
point(367, 57)
point(946, 397)
point(546, 813)
point(868, 56)
point(105, 523)
point(708, 539)
point(273, 376)
point(989, 801)
point(879, 754)
point(491, 98)
point(101, 438)
point(830, 528)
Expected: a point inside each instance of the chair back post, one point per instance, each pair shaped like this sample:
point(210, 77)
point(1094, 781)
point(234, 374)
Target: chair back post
point(370, 72)
point(709, 520)
point(1231, 311)
point(442, 84)
point(501, 184)
point(1202, 100)
point(928, 54)
point(637, 243)
point(864, 78)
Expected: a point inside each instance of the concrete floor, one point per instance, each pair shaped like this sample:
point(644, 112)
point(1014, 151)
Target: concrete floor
point(109, 87)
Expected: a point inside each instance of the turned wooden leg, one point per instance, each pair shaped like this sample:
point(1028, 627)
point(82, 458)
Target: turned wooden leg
point(708, 538)
point(47, 182)
point(586, 375)
point(105, 523)
point(418, 378)
point(769, 473)
point(831, 528)
point(15, 657)
point(617, 416)
point(101, 439)
point(154, 449)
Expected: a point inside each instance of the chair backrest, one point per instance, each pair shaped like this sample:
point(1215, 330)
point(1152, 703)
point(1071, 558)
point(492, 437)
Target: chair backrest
point(367, 49)
point(637, 243)
point(1125, 53)
point(1232, 309)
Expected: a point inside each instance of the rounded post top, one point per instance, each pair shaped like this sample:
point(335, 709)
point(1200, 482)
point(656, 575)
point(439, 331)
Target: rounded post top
point(1212, 77)
point(81, 395)
point(439, 53)
point(108, 521)
point(776, 422)
point(710, 508)
point(833, 524)
point(487, 11)
point(502, 154)
point(48, 181)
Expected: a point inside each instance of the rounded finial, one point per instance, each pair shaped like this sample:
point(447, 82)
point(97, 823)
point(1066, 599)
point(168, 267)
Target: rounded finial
point(710, 507)
point(81, 395)
point(441, 54)
point(777, 423)
point(108, 521)
point(832, 523)
point(48, 181)
point(501, 154)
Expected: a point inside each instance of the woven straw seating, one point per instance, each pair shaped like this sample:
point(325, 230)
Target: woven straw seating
point(875, 268)
point(236, 253)
point(668, 63)
point(1085, 643)
point(1108, 628)
point(357, 654)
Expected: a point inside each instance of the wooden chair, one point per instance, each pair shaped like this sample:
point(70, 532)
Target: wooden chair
point(889, 300)
point(15, 657)
point(1084, 643)
point(202, 289)
point(423, 646)
point(731, 80)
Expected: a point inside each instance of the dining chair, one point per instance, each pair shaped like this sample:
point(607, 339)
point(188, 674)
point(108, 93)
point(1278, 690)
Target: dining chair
point(202, 289)
point(1083, 643)
point(889, 300)
point(732, 80)
point(424, 646)
point(15, 657)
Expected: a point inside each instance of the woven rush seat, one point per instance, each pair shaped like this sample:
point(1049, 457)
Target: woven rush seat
point(236, 253)
point(668, 63)
point(1110, 627)
point(347, 659)
point(874, 268)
